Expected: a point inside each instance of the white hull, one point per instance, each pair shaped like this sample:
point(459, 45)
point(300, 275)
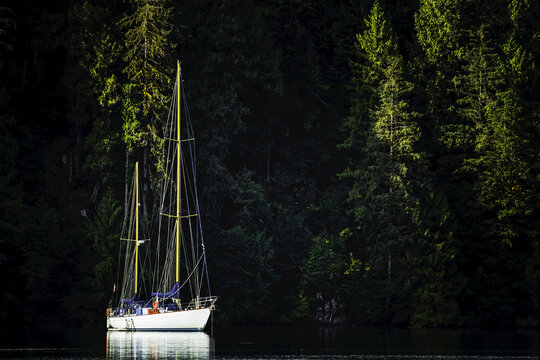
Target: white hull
point(186, 320)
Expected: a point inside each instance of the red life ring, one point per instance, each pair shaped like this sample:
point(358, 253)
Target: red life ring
point(156, 304)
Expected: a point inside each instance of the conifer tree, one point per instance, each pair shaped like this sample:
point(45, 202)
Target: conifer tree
point(437, 65)
point(505, 185)
point(383, 206)
point(505, 157)
point(148, 66)
point(103, 230)
point(439, 34)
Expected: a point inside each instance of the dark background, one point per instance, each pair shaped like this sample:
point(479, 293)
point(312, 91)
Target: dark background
point(357, 163)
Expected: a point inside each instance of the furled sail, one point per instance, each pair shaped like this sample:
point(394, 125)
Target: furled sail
point(166, 295)
point(129, 301)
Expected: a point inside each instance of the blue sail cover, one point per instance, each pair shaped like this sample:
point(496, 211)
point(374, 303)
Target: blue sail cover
point(173, 293)
point(129, 301)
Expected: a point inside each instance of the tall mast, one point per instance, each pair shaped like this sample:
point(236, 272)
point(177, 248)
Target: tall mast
point(136, 222)
point(178, 159)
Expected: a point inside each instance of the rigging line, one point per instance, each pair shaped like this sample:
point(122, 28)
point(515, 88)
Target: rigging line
point(184, 236)
point(118, 269)
point(184, 283)
point(163, 207)
point(171, 226)
point(165, 234)
point(194, 236)
point(128, 212)
point(193, 166)
point(202, 280)
point(164, 186)
point(161, 276)
point(121, 286)
point(168, 180)
point(134, 209)
point(127, 260)
point(186, 188)
point(169, 260)
point(158, 240)
point(187, 262)
point(194, 255)
point(168, 133)
point(126, 286)
point(155, 277)
point(171, 236)
point(162, 229)
point(157, 249)
point(143, 273)
point(153, 227)
point(146, 272)
point(146, 265)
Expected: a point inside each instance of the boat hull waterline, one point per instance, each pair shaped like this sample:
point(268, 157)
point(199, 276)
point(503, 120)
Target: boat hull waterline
point(185, 320)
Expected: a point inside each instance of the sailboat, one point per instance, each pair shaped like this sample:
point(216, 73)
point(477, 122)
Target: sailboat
point(180, 242)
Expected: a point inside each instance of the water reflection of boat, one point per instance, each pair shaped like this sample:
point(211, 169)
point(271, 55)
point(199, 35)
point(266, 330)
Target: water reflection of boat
point(158, 345)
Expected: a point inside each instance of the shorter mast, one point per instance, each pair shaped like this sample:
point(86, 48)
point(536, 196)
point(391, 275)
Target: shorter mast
point(137, 241)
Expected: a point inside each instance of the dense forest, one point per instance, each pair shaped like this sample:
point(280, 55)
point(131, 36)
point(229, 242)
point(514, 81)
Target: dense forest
point(360, 162)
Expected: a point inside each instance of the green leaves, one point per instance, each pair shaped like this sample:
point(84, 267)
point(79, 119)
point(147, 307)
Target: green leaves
point(7, 24)
point(323, 276)
point(437, 24)
point(245, 257)
point(133, 135)
point(381, 168)
point(432, 220)
point(376, 44)
point(147, 65)
point(148, 55)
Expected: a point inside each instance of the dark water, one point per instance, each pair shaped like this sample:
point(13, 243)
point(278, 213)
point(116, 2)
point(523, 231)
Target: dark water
point(274, 343)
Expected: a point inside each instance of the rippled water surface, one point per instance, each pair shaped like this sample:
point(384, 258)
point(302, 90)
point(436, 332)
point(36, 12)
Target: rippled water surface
point(273, 343)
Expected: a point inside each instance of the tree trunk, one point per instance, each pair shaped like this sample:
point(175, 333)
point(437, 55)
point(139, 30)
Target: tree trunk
point(389, 263)
point(388, 287)
point(268, 162)
point(145, 182)
point(126, 188)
